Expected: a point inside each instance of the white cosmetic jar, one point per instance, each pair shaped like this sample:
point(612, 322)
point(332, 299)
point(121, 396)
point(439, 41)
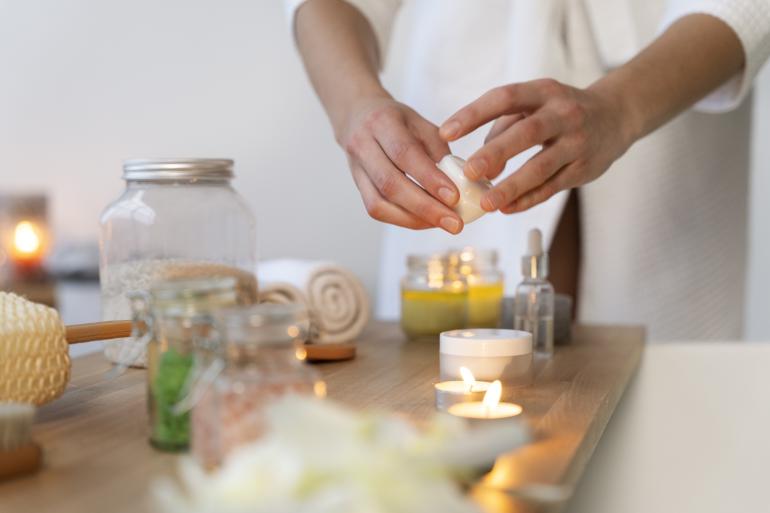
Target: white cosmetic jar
point(489, 354)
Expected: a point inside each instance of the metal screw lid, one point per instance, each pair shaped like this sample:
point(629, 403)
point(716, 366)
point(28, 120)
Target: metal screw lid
point(177, 169)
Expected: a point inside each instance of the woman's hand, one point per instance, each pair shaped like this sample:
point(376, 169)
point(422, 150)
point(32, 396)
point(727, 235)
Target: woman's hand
point(581, 132)
point(387, 143)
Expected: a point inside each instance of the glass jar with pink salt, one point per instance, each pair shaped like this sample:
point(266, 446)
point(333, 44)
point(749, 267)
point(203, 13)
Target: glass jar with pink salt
point(257, 357)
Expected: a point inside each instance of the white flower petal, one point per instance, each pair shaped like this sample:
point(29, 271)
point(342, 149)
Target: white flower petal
point(318, 457)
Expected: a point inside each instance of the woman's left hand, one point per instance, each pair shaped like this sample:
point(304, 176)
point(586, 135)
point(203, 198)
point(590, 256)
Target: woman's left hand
point(581, 131)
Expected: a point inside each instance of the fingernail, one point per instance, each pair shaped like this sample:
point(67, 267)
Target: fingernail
point(491, 200)
point(448, 196)
point(450, 224)
point(477, 167)
point(450, 129)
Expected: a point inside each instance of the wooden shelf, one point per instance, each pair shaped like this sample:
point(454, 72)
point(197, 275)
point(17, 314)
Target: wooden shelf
point(97, 457)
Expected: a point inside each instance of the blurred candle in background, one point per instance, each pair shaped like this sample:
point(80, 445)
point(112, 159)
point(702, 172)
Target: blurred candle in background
point(24, 243)
point(27, 246)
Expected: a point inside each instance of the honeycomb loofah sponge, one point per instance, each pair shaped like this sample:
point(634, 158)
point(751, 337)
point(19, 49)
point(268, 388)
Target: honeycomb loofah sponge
point(34, 357)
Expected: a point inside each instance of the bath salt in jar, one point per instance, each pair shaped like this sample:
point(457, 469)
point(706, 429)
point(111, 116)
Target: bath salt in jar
point(260, 359)
point(176, 218)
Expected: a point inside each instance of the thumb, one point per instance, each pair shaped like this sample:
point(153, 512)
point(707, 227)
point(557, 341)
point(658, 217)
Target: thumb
point(436, 147)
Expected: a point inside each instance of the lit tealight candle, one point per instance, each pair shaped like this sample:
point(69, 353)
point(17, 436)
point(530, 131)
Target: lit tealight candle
point(467, 390)
point(488, 408)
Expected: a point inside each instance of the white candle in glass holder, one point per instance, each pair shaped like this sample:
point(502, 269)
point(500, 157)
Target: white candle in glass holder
point(453, 392)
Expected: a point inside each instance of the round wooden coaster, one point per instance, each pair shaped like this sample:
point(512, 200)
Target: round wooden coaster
point(330, 352)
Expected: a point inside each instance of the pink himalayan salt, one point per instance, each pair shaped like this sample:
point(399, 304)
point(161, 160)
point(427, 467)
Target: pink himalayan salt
point(231, 414)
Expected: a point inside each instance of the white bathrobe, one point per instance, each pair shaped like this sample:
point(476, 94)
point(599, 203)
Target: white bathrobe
point(664, 230)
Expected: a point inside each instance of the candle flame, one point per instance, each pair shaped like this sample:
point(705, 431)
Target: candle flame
point(492, 396)
point(467, 376)
point(26, 238)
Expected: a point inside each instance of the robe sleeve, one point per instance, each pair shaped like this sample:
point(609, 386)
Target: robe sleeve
point(750, 19)
point(381, 15)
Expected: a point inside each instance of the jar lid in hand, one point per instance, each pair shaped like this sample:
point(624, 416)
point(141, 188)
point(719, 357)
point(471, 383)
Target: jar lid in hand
point(469, 207)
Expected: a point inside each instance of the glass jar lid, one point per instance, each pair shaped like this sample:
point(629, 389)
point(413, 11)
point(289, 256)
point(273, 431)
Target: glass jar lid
point(437, 271)
point(477, 257)
point(188, 297)
point(474, 262)
point(264, 324)
point(138, 170)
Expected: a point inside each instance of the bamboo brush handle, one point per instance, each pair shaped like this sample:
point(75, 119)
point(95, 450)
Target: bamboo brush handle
point(78, 333)
point(121, 329)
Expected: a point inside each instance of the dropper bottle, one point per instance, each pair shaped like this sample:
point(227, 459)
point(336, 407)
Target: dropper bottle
point(535, 296)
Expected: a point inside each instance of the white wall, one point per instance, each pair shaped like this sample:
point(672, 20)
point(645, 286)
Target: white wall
point(86, 84)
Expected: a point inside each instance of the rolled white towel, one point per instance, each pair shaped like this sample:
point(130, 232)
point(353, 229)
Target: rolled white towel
point(338, 303)
point(281, 293)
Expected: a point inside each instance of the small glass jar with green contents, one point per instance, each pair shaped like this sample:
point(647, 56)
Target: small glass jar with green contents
point(173, 316)
point(433, 296)
point(485, 285)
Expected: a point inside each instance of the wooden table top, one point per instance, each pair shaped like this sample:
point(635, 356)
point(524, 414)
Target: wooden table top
point(97, 457)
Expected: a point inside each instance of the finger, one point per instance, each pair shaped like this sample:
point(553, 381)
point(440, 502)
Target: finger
point(508, 99)
point(561, 181)
point(379, 208)
point(535, 172)
point(489, 161)
point(409, 155)
point(436, 147)
point(502, 124)
point(396, 188)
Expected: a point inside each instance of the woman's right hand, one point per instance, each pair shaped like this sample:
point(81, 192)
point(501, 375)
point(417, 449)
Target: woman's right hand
point(388, 143)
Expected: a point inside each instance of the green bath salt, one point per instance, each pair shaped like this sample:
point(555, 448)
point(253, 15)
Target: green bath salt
point(170, 432)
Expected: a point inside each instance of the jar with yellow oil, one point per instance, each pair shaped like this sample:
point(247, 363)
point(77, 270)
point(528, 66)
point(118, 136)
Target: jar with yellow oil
point(434, 297)
point(485, 285)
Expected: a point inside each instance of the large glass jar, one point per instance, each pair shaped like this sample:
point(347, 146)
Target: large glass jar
point(259, 359)
point(169, 319)
point(485, 285)
point(433, 296)
point(177, 218)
